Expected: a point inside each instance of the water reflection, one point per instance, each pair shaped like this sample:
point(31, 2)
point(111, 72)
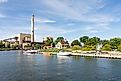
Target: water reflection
point(63, 59)
point(76, 58)
point(88, 58)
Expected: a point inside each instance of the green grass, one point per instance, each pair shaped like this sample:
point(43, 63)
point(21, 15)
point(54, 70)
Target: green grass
point(7, 49)
point(50, 50)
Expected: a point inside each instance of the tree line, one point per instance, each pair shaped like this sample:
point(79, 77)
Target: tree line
point(87, 44)
point(84, 43)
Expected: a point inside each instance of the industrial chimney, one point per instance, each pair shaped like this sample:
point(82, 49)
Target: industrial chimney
point(32, 29)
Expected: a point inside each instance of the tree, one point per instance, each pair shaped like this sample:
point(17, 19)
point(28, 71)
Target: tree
point(53, 44)
point(104, 42)
point(13, 46)
point(76, 47)
point(75, 42)
point(16, 38)
point(49, 41)
point(115, 42)
point(89, 43)
point(119, 48)
point(59, 39)
point(8, 45)
point(89, 47)
point(2, 45)
point(93, 41)
point(37, 46)
point(84, 39)
point(106, 47)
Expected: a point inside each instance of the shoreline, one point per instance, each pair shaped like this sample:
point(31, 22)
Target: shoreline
point(103, 54)
point(8, 49)
point(110, 56)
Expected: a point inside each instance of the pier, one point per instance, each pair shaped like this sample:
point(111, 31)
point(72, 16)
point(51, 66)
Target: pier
point(110, 56)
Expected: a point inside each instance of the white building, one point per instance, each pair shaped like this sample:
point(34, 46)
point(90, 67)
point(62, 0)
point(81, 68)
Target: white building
point(61, 45)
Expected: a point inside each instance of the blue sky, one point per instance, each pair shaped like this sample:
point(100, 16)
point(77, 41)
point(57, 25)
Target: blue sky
point(68, 18)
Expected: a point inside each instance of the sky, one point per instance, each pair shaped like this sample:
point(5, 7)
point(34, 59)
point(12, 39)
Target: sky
point(68, 18)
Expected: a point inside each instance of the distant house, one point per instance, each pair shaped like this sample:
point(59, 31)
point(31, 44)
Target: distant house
point(59, 45)
point(62, 44)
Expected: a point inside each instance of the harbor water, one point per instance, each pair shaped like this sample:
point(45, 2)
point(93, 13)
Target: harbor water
point(15, 66)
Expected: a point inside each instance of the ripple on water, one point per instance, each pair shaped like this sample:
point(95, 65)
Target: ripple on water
point(18, 67)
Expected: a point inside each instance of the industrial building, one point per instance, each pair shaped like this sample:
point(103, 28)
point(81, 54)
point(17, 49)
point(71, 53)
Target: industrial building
point(23, 40)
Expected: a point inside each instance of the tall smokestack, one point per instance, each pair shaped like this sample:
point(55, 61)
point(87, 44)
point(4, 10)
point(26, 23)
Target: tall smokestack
point(32, 28)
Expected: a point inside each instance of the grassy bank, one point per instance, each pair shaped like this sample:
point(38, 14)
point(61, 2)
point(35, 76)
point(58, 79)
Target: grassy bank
point(55, 50)
point(50, 50)
point(7, 49)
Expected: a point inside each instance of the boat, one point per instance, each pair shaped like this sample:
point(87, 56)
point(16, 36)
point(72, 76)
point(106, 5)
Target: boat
point(64, 54)
point(31, 51)
point(28, 54)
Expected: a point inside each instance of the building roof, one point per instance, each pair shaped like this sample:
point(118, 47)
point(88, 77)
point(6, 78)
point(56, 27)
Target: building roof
point(24, 34)
point(63, 42)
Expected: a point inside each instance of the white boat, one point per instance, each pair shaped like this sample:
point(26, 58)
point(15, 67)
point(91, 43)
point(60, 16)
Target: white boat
point(64, 53)
point(31, 51)
point(28, 54)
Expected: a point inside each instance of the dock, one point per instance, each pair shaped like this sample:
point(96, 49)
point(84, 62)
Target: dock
point(110, 56)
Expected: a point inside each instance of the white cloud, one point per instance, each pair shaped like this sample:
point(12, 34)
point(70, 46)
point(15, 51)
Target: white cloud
point(2, 15)
point(44, 20)
point(70, 24)
point(3, 1)
point(56, 31)
point(48, 28)
point(83, 11)
point(94, 31)
point(62, 8)
point(96, 28)
point(73, 10)
point(91, 30)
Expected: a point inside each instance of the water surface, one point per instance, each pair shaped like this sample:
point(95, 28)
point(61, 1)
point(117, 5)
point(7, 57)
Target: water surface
point(14, 66)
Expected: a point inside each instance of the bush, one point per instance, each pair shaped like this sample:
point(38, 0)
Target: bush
point(50, 50)
point(89, 48)
point(119, 48)
point(106, 47)
point(76, 47)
